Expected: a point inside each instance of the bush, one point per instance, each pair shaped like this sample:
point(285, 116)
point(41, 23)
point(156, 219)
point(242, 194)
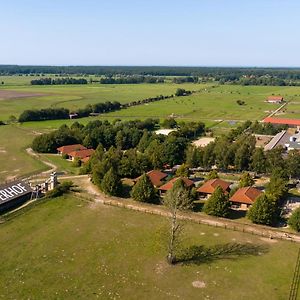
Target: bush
point(294, 220)
point(61, 189)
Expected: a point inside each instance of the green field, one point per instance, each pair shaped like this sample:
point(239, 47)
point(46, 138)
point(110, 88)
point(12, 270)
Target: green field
point(69, 249)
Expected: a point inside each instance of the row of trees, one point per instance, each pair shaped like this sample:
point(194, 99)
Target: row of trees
point(131, 80)
point(58, 81)
point(44, 114)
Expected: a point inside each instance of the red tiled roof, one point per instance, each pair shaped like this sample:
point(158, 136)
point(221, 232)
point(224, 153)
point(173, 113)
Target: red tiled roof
point(246, 195)
point(155, 176)
point(82, 153)
point(275, 98)
point(295, 122)
point(209, 186)
point(85, 159)
point(70, 148)
point(167, 186)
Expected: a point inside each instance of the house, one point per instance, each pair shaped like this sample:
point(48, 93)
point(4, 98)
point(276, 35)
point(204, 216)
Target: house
point(156, 177)
point(279, 140)
point(244, 197)
point(209, 186)
point(282, 121)
point(167, 186)
point(275, 99)
point(70, 148)
point(81, 154)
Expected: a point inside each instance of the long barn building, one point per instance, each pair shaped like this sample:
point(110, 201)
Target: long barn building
point(14, 194)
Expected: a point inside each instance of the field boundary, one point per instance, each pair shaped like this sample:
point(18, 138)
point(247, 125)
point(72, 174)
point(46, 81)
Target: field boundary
point(260, 230)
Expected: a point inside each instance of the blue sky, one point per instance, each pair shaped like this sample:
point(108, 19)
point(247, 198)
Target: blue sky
point(165, 32)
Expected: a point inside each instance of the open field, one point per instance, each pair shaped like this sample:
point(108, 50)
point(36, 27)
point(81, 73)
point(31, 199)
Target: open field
point(78, 96)
point(69, 249)
point(14, 160)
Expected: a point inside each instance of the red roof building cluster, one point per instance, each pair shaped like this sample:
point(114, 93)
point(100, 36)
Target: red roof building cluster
point(245, 195)
point(167, 186)
point(156, 177)
point(81, 153)
point(70, 148)
point(282, 121)
point(209, 186)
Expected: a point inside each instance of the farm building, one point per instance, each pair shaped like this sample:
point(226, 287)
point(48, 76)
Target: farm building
point(14, 194)
point(167, 186)
point(209, 186)
point(275, 99)
point(282, 121)
point(81, 154)
point(279, 140)
point(156, 177)
point(70, 148)
point(244, 197)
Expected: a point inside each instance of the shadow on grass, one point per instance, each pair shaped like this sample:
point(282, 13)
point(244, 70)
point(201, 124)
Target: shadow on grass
point(236, 214)
point(201, 254)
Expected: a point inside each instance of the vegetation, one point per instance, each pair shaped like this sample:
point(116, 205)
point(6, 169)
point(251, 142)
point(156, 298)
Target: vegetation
point(60, 189)
point(144, 191)
point(176, 199)
point(111, 183)
point(51, 81)
point(246, 180)
point(294, 220)
point(218, 204)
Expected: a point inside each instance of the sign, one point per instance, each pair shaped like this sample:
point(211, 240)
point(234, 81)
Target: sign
point(13, 190)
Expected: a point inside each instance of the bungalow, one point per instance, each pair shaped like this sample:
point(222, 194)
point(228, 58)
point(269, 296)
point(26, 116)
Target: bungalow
point(167, 186)
point(244, 197)
point(156, 177)
point(81, 154)
point(70, 148)
point(209, 186)
point(275, 99)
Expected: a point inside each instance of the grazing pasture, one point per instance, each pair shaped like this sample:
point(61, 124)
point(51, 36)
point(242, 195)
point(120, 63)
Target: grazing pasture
point(65, 248)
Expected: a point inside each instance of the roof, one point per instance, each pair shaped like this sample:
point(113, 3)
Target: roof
point(167, 186)
point(294, 122)
point(13, 190)
point(278, 140)
point(246, 195)
point(70, 148)
point(209, 186)
point(155, 176)
point(85, 159)
point(82, 153)
point(275, 98)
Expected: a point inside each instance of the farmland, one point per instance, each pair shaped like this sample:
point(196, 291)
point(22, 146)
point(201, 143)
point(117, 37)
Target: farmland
point(70, 249)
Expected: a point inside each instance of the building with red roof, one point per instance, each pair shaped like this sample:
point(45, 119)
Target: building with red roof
point(156, 177)
point(70, 148)
point(81, 154)
point(167, 186)
point(244, 197)
point(209, 186)
point(282, 121)
point(275, 99)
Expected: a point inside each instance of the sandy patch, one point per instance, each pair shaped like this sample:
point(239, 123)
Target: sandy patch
point(216, 234)
point(198, 284)
point(268, 240)
point(204, 141)
point(9, 94)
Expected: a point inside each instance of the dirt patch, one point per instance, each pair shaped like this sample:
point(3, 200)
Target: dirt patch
point(202, 142)
point(198, 284)
point(268, 240)
point(9, 94)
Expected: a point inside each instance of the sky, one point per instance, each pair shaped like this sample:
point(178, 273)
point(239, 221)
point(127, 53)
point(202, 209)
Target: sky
point(150, 32)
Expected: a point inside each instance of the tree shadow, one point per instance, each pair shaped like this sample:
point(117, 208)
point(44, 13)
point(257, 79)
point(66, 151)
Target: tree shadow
point(236, 214)
point(201, 254)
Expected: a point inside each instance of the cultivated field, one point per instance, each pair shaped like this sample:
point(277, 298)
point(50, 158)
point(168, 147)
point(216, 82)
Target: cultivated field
point(69, 249)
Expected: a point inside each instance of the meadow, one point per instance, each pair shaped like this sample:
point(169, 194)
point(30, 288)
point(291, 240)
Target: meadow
point(66, 248)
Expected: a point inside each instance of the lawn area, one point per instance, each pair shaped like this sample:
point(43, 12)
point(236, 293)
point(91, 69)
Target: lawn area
point(78, 96)
point(14, 160)
point(68, 249)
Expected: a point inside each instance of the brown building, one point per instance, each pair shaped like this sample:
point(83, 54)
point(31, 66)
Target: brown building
point(244, 197)
point(81, 154)
point(167, 186)
point(70, 148)
point(156, 177)
point(209, 186)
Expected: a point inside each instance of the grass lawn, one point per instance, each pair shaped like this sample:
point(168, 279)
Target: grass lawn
point(69, 249)
point(14, 160)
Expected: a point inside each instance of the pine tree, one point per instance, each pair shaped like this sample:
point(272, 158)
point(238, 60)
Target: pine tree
point(218, 204)
point(111, 183)
point(144, 190)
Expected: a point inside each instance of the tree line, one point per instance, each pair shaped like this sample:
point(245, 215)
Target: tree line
point(102, 107)
point(58, 81)
point(133, 79)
